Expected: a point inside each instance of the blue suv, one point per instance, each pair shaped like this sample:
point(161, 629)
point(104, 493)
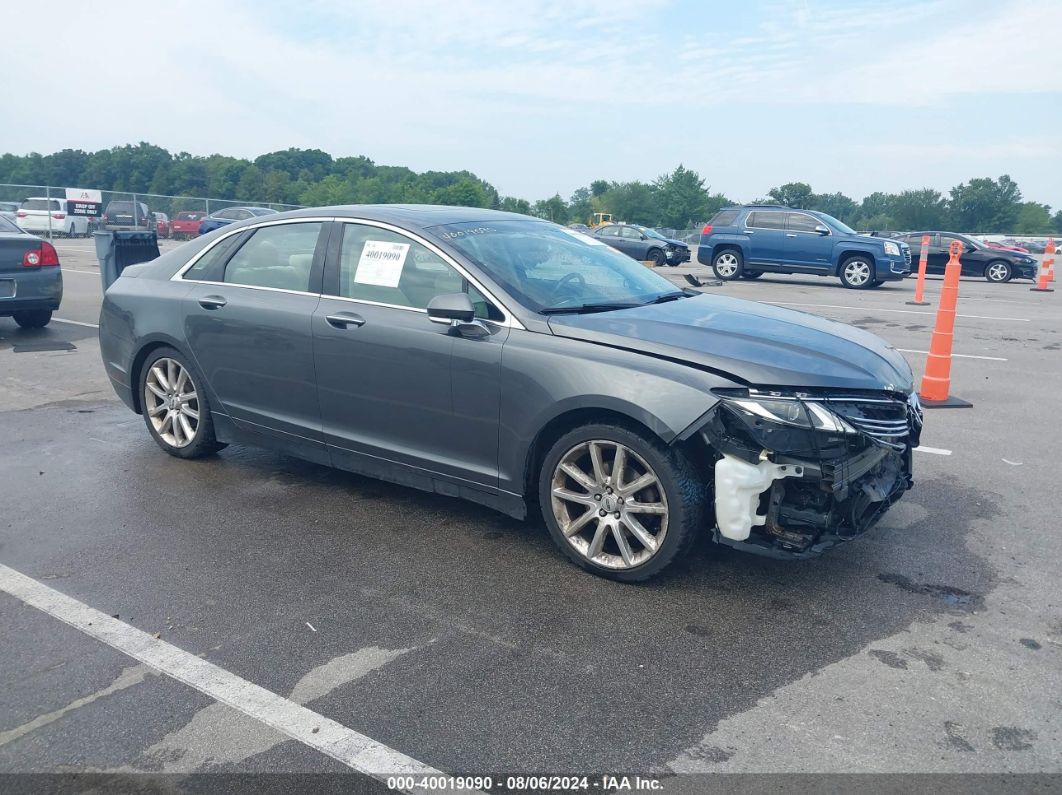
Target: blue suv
point(746, 242)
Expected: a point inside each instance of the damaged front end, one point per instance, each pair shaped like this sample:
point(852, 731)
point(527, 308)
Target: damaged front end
point(798, 472)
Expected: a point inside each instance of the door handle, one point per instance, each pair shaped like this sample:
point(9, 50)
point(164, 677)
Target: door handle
point(790, 234)
point(212, 302)
point(344, 319)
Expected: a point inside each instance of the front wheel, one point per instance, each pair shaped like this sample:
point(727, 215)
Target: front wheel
point(727, 265)
point(998, 271)
point(619, 504)
point(34, 318)
point(175, 407)
point(857, 273)
point(655, 256)
point(751, 274)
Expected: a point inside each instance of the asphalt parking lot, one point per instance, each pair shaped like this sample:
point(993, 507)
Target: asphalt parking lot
point(463, 640)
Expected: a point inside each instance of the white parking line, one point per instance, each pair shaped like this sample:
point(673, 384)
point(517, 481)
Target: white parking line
point(333, 739)
point(74, 270)
point(897, 311)
point(933, 450)
point(959, 355)
point(75, 322)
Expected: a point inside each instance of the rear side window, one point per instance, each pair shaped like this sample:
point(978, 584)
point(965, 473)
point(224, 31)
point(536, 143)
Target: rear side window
point(208, 267)
point(799, 222)
point(279, 257)
point(766, 220)
point(724, 218)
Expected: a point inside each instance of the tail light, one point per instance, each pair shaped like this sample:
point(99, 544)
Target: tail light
point(20, 214)
point(58, 216)
point(707, 229)
point(41, 257)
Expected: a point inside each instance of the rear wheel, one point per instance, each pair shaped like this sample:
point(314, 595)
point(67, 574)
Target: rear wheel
point(857, 273)
point(998, 271)
point(34, 318)
point(619, 504)
point(727, 265)
point(175, 407)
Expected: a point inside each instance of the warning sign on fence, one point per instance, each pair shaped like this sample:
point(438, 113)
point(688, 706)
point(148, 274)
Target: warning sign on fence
point(84, 201)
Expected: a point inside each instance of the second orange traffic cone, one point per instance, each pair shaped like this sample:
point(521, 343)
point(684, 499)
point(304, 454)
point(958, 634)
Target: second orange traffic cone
point(936, 383)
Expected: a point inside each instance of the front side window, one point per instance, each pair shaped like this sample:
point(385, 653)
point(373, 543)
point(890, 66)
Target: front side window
point(766, 220)
point(387, 267)
point(547, 267)
point(630, 233)
point(276, 256)
point(799, 222)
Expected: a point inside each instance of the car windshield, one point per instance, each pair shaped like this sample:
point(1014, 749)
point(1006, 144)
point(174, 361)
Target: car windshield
point(838, 225)
point(548, 268)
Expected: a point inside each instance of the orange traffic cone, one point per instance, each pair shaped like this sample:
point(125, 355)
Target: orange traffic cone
point(920, 285)
point(1047, 270)
point(937, 379)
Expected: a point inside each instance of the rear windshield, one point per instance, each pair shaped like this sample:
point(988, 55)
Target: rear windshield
point(724, 218)
point(7, 226)
point(189, 215)
point(40, 204)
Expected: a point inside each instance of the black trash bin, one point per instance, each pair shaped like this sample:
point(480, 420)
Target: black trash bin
point(118, 250)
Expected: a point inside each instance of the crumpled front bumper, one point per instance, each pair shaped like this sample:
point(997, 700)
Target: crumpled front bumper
point(800, 501)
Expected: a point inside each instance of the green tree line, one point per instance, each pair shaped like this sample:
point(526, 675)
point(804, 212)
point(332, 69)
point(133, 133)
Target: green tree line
point(680, 199)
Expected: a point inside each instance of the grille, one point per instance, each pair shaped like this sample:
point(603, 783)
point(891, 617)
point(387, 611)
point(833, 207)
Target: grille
point(885, 421)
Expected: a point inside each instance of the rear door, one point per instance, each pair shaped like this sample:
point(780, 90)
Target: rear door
point(806, 249)
point(766, 231)
point(247, 323)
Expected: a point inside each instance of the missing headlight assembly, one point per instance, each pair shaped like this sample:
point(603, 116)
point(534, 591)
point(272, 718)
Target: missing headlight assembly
point(796, 473)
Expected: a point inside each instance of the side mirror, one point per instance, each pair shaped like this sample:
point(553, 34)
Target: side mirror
point(822, 230)
point(643, 237)
point(453, 306)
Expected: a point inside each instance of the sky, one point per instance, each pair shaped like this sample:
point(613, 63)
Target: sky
point(543, 96)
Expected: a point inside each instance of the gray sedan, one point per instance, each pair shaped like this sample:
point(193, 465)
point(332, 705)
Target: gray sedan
point(521, 365)
point(31, 282)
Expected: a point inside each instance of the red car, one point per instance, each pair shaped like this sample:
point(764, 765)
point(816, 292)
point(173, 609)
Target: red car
point(185, 224)
point(162, 225)
point(1019, 249)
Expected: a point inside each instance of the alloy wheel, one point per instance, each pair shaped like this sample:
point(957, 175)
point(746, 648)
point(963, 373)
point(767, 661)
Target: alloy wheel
point(171, 402)
point(726, 265)
point(609, 504)
point(857, 273)
point(998, 272)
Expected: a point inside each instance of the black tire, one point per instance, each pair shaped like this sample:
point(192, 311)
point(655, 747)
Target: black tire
point(655, 256)
point(751, 274)
point(877, 283)
point(728, 264)
point(857, 273)
point(33, 318)
point(999, 271)
point(683, 493)
point(204, 442)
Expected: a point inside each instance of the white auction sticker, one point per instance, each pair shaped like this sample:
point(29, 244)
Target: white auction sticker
point(381, 263)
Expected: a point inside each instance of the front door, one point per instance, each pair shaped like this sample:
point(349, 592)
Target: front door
point(401, 396)
point(247, 321)
point(807, 249)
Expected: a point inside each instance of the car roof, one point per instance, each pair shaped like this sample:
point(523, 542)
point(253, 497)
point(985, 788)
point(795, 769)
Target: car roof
point(420, 216)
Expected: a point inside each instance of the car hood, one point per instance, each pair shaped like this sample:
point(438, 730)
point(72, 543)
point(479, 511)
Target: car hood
point(756, 344)
point(676, 243)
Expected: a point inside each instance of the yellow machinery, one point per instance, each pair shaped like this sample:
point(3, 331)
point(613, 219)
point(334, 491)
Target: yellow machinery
point(600, 219)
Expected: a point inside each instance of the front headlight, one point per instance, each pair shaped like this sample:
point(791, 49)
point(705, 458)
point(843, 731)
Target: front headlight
point(891, 249)
point(794, 412)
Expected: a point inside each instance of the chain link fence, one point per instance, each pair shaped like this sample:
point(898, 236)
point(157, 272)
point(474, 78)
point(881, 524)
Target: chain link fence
point(45, 210)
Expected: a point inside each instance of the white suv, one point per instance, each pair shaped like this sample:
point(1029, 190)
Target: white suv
point(38, 214)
